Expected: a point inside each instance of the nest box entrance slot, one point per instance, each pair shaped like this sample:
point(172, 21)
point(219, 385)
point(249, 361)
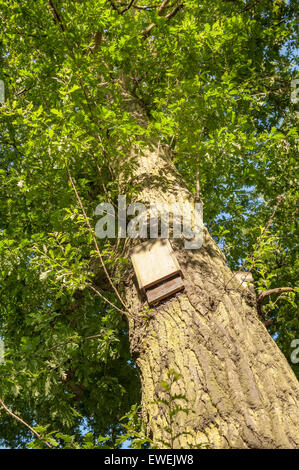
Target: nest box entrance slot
point(157, 270)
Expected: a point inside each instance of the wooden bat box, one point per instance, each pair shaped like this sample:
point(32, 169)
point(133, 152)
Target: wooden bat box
point(157, 270)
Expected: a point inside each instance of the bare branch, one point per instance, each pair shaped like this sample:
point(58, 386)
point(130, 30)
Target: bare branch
point(261, 297)
point(73, 341)
point(144, 7)
point(269, 322)
point(105, 299)
point(140, 7)
point(93, 237)
point(146, 31)
point(114, 7)
point(197, 190)
point(22, 421)
point(97, 40)
point(279, 290)
point(19, 93)
point(174, 11)
point(128, 7)
point(56, 16)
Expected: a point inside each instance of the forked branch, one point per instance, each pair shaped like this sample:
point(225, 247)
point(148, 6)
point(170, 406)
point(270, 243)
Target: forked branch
point(278, 290)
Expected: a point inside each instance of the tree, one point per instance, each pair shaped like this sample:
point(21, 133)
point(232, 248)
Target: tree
point(168, 100)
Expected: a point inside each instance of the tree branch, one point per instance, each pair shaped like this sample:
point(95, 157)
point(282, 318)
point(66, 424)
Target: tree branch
point(127, 7)
point(94, 238)
point(146, 31)
point(141, 7)
point(56, 16)
point(114, 7)
point(174, 11)
point(278, 290)
point(19, 93)
point(106, 300)
point(23, 422)
point(58, 345)
point(269, 322)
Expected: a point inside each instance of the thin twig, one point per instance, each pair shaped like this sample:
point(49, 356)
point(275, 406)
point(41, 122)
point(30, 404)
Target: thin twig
point(106, 300)
point(59, 21)
point(174, 11)
point(127, 7)
point(278, 290)
point(19, 93)
point(73, 341)
point(197, 191)
point(251, 5)
point(23, 422)
point(146, 31)
point(141, 7)
point(56, 16)
point(114, 6)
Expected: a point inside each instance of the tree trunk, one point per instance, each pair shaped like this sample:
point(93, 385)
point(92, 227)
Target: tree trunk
point(234, 380)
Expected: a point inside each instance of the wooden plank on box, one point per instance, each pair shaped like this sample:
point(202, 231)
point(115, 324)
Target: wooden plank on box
point(246, 280)
point(244, 277)
point(154, 261)
point(164, 289)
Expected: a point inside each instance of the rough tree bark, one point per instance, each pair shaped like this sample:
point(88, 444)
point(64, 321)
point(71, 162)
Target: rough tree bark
point(240, 390)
